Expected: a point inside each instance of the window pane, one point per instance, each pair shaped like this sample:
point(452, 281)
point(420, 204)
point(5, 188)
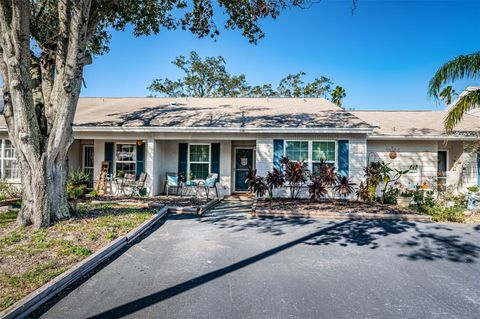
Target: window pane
point(198, 171)
point(199, 153)
point(125, 168)
point(126, 152)
point(297, 150)
point(323, 150)
point(9, 150)
point(10, 169)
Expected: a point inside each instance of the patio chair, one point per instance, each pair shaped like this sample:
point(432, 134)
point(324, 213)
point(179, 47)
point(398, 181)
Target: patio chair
point(128, 181)
point(211, 182)
point(139, 185)
point(172, 180)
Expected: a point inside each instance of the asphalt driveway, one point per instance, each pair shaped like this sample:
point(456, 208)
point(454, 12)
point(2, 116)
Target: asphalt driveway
point(239, 267)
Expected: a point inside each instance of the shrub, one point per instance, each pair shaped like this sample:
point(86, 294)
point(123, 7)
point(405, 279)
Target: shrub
point(390, 196)
point(256, 184)
point(8, 191)
point(363, 193)
point(451, 214)
point(77, 184)
point(381, 172)
point(423, 201)
point(79, 177)
point(317, 188)
point(344, 186)
point(296, 175)
point(274, 179)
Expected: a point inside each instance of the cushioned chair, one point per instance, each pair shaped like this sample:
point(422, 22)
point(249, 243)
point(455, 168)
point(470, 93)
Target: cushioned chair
point(211, 182)
point(172, 180)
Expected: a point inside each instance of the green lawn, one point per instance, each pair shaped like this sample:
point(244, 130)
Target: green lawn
point(29, 258)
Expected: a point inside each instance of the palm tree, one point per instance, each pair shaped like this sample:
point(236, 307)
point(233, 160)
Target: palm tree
point(462, 67)
point(337, 95)
point(447, 94)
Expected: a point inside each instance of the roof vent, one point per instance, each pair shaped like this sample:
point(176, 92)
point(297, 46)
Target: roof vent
point(173, 103)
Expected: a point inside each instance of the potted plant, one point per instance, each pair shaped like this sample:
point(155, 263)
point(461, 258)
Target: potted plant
point(472, 198)
point(77, 186)
point(405, 198)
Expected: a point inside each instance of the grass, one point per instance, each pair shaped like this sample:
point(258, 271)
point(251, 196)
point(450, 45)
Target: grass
point(29, 258)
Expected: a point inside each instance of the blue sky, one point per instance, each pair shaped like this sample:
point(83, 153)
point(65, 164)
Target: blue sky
point(383, 55)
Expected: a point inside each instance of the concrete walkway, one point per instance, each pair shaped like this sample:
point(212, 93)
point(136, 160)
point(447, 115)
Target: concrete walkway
point(231, 206)
point(234, 266)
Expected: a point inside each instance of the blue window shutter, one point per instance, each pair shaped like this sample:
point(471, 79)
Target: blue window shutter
point(215, 158)
point(182, 161)
point(277, 154)
point(140, 159)
point(109, 156)
point(343, 158)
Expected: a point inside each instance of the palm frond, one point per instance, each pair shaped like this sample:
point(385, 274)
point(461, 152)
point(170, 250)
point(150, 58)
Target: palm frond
point(467, 101)
point(464, 66)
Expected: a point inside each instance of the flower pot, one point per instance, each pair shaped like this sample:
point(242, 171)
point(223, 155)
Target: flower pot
point(472, 201)
point(404, 201)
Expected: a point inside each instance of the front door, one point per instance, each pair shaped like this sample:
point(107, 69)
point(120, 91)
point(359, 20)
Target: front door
point(243, 161)
point(87, 163)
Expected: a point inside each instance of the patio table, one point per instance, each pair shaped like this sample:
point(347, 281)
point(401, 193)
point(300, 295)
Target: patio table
point(194, 184)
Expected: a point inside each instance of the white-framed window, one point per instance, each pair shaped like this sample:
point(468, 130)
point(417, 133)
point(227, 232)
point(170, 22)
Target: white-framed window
point(323, 150)
point(297, 150)
point(198, 161)
point(125, 158)
point(9, 167)
point(312, 152)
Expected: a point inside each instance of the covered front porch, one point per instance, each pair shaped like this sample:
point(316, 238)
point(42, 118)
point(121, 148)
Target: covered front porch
point(192, 159)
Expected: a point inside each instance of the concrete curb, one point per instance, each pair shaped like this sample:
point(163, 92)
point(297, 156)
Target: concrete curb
point(199, 210)
point(35, 299)
point(207, 206)
point(254, 207)
point(378, 216)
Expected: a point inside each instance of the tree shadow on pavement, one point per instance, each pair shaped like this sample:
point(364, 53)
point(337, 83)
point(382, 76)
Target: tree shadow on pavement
point(427, 243)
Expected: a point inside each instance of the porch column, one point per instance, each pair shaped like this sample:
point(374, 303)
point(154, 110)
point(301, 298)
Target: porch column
point(149, 169)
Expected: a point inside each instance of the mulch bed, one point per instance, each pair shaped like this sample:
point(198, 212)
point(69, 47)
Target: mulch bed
point(308, 207)
point(172, 201)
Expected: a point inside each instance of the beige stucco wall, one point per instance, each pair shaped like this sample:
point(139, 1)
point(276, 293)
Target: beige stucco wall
point(421, 153)
point(424, 154)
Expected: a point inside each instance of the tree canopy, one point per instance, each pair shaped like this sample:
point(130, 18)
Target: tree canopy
point(209, 77)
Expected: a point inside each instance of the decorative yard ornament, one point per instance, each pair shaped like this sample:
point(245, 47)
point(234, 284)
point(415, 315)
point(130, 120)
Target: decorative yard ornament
point(392, 153)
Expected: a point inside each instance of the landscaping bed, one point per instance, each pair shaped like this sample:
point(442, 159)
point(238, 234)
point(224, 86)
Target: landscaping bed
point(333, 209)
point(29, 258)
point(172, 201)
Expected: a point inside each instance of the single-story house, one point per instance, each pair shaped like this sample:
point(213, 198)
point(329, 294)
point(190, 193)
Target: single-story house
point(198, 136)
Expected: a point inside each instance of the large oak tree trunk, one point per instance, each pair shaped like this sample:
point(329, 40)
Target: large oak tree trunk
point(43, 194)
point(40, 99)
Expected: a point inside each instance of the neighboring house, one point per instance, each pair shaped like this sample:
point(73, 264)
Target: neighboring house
point(198, 136)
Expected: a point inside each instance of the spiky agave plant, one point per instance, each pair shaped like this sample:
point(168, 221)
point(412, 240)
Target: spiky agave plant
point(462, 67)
